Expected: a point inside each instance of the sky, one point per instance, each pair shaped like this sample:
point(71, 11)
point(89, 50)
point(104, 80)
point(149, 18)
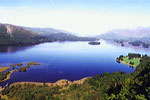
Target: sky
point(82, 17)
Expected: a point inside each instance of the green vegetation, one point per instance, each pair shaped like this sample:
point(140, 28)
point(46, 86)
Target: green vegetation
point(3, 76)
point(14, 65)
point(19, 64)
point(92, 89)
point(134, 62)
point(131, 59)
point(6, 75)
point(114, 86)
point(11, 34)
point(25, 68)
point(33, 63)
point(136, 86)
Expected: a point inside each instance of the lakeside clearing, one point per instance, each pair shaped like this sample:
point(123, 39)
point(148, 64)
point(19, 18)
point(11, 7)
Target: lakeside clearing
point(135, 61)
point(132, 60)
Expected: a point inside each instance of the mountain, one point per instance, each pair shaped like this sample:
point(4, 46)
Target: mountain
point(137, 33)
point(139, 37)
point(12, 34)
point(47, 31)
point(10, 31)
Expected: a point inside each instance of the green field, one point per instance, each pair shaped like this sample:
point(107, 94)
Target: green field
point(136, 61)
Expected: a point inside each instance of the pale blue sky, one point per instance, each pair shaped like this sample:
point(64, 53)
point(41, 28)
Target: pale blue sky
point(107, 4)
point(84, 17)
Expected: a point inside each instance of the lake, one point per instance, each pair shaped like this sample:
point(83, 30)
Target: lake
point(65, 60)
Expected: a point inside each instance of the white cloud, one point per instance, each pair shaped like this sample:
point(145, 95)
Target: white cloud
point(80, 22)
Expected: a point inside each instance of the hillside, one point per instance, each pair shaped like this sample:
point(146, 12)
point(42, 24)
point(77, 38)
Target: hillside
point(46, 31)
point(11, 34)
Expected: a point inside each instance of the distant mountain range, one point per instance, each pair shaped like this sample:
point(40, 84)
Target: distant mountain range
point(137, 33)
point(12, 34)
point(139, 37)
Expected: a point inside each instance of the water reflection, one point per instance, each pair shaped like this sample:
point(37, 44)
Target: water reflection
point(13, 48)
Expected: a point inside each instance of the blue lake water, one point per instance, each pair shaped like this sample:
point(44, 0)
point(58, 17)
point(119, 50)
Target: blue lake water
point(64, 60)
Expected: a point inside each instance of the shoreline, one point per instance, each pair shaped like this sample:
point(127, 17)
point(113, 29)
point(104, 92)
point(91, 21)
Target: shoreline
point(61, 82)
point(123, 62)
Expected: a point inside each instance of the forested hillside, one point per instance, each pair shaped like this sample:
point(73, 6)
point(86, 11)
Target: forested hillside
point(11, 34)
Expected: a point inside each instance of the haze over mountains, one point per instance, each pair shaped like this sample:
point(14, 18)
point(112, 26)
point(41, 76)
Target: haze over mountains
point(11, 34)
point(139, 37)
point(137, 33)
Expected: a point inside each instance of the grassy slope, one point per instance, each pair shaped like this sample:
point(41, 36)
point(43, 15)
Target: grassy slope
point(136, 61)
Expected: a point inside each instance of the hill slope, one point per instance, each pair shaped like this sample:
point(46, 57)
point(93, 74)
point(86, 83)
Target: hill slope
point(11, 34)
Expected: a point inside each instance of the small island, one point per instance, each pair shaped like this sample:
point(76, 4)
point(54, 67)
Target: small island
point(132, 59)
point(25, 68)
point(19, 64)
point(5, 75)
point(2, 69)
point(94, 43)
